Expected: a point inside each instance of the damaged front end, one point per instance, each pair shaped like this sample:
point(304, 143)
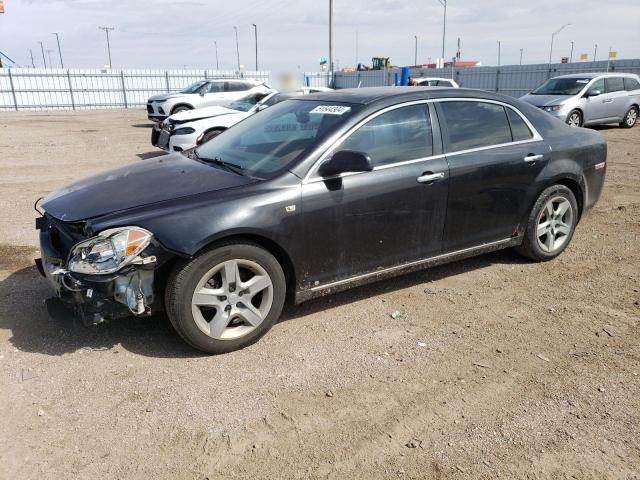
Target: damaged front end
point(105, 276)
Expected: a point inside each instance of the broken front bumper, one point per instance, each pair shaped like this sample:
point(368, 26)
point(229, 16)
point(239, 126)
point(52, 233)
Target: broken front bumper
point(94, 298)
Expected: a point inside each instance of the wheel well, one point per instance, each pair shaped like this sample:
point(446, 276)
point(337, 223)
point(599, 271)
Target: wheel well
point(181, 105)
point(273, 248)
point(576, 189)
point(222, 129)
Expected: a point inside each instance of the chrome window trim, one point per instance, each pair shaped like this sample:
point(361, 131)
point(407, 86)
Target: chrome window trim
point(309, 179)
point(409, 264)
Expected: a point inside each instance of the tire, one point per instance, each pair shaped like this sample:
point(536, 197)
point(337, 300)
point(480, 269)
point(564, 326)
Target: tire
point(211, 134)
point(544, 240)
point(630, 118)
point(180, 108)
point(575, 119)
point(201, 319)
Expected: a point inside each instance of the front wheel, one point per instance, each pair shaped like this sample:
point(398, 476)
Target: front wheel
point(551, 224)
point(630, 118)
point(574, 119)
point(181, 108)
point(226, 298)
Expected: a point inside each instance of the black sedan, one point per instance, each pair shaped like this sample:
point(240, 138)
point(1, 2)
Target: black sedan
point(314, 195)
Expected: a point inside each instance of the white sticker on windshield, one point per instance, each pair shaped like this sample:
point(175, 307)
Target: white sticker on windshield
point(331, 109)
point(582, 81)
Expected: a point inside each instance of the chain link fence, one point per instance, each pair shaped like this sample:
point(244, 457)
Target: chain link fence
point(76, 89)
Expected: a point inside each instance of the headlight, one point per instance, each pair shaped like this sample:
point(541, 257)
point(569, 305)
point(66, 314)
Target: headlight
point(553, 108)
point(109, 251)
point(184, 131)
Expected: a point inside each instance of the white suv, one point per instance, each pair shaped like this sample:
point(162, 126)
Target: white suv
point(205, 93)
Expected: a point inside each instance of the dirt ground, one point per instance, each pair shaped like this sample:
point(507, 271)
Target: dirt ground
point(497, 367)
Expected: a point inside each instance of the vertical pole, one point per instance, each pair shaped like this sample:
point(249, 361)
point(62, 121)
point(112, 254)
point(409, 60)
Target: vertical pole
point(595, 51)
point(521, 56)
point(73, 103)
point(13, 91)
point(497, 80)
point(498, 53)
point(415, 52)
point(59, 50)
point(217, 65)
point(357, 63)
point(444, 27)
point(31, 53)
point(166, 79)
point(108, 48)
point(571, 54)
point(330, 41)
point(237, 48)
point(124, 91)
point(608, 59)
point(255, 32)
point(44, 61)
point(205, 75)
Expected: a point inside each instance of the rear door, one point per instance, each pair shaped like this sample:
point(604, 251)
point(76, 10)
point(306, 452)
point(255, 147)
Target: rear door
point(616, 101)
point(495, 158)
point(395, 214)
point(214, 94)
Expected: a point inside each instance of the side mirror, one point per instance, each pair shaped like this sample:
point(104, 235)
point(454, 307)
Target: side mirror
point(202, 94)
point(593, 93)
point(346, 161)
point(261, 107)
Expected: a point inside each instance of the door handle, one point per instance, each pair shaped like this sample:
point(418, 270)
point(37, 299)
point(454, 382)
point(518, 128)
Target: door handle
point(533, 158)
point(430, 177)
point(608, 100)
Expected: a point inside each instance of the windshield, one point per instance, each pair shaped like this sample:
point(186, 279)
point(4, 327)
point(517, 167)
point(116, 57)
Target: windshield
point(561, 86)
point(194, 87)
point(270, 141)
point(245, 104)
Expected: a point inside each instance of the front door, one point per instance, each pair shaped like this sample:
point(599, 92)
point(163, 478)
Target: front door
point(361, 222)
point(494, 160)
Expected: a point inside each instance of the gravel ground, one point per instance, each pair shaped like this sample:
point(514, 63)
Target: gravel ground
point(496, 368)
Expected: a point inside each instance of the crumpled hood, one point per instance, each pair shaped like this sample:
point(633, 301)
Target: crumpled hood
point(545, 100)
point(165, 96)
point(201, 113)
point(141, 183)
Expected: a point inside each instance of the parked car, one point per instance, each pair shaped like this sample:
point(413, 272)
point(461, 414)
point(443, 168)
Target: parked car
point(436, 82)
point(590, 98)
point(317, 194)
point(204, 93)
point(185, 130)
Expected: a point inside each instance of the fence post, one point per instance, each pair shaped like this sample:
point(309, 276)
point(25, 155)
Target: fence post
point(73, 103)
point(124, 92)
point(13, 91)
point(205, 75)
point(166, 78)
point(498, 80)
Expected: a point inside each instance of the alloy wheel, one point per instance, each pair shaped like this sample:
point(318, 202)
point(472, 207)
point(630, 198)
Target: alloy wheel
point(632, 116)
point(574, 120)
point(555, 222)
point(232, 299)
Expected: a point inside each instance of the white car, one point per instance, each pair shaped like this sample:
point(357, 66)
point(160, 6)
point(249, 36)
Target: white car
point(186, 130)
point(205, 93)
point(436, 82)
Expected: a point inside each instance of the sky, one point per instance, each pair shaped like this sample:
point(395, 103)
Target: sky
point(293, 34)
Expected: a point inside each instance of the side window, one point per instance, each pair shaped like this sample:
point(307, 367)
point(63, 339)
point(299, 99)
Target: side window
point(215, 87)
point(614, 84)
point(519, 130)
point(475, 124)
point(597, 85)
point(631, 84)
point(236, 86)
point(395, 136)
point(444, 83)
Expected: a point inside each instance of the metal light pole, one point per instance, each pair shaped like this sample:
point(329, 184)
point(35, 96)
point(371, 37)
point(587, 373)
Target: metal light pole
point(331, 39)
point(255, 32)
point(415, 53)
point(237, 48)
point(43, 59)
point(444, 25)
point(521, 50)
point(106, 30)
point(498, 52)
point(215, 44)
point(31, 54)
point(357, 63)
point(552, 37)
point(571, 54)
point(59, 51)
point(595, 51)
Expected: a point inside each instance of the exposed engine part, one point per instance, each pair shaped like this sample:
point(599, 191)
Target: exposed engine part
point(135, 290)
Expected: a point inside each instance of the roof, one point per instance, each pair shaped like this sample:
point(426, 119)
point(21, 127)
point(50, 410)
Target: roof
point(370, 95)
point(596, 74)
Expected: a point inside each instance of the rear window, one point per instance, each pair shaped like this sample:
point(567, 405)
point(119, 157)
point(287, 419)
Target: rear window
point(519, 129)
point(614, 84)
point(237, 86)
point(631, 84)
point(475, 124)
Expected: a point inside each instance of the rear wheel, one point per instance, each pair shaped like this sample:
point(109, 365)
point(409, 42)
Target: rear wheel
point(630, 118)
point(226, 298)
point(551, 224)
point(574, 119)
